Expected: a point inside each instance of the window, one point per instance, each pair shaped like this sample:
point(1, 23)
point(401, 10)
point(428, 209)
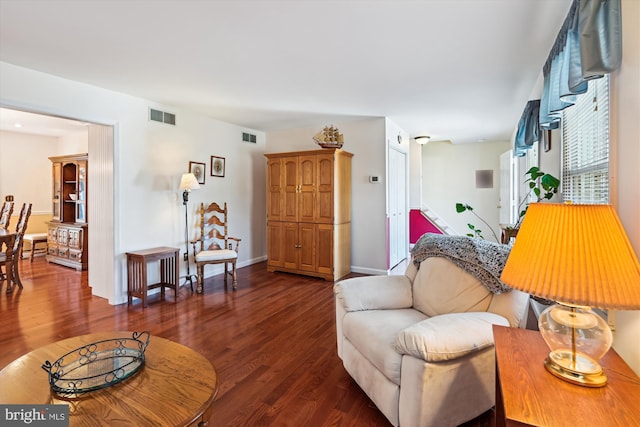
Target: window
point(585, 151)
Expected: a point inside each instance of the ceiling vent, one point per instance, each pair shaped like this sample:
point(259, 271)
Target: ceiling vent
point(248, 137)
point(162, 117)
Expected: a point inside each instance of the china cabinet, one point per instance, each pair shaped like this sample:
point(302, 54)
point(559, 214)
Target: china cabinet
point(68, 230)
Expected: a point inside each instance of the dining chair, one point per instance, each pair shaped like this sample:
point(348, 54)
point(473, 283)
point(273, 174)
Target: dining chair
point(21, 227)
point(216, 246)
point(5, 214)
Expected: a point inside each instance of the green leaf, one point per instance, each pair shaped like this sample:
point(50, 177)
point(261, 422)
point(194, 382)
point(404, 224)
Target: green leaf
point(460, 207)
point(532, 170)
point(550, 181)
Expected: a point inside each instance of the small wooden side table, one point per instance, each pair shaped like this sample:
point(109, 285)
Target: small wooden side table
point(137, 272)
point(528, 395)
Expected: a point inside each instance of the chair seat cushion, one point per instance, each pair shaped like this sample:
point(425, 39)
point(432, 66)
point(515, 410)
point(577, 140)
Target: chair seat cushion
point(36, 237)
point(217, 255)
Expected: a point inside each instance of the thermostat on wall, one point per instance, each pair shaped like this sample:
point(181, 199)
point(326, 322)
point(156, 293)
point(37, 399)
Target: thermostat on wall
point(374, 179)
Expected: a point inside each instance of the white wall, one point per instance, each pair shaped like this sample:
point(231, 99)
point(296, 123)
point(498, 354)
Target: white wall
point(25, 169)
point(625, 111)
point(149, 159)
point(366, 140)
point(449, 176)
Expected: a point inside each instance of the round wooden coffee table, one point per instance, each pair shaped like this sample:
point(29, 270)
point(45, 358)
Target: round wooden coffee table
point(175, 387)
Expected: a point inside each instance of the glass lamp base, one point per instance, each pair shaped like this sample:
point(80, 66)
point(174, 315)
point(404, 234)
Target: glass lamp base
point(584, 370)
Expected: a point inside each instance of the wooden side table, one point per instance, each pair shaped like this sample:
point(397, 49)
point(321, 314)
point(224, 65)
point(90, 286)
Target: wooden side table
point(528, 395)
point(137, 272)
point(175, 387)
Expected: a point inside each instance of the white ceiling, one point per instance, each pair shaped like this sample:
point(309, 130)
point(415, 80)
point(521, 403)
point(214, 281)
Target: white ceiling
point(460, 70)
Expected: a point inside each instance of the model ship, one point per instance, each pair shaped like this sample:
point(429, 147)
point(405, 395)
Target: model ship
point(330, 137)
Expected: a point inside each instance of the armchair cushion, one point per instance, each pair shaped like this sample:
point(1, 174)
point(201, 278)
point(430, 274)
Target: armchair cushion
point(216, 255)
point(448, 336)
point(374, 293)
point(441, 287)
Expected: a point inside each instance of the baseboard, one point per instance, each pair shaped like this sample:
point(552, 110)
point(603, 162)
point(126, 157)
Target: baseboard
point(369, 271)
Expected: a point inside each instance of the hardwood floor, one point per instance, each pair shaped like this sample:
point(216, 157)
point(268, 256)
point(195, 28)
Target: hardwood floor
point(272, 341)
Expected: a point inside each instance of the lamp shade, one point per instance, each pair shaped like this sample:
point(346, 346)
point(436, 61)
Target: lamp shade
point(189, 182)
point(577, 254)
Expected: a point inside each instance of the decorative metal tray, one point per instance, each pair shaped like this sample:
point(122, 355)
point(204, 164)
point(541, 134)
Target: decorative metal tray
point(97, 365)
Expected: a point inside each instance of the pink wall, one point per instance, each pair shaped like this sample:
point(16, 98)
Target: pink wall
point(419, 224)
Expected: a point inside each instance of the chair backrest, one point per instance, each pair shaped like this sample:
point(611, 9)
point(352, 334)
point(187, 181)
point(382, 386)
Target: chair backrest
point(213, 227)
point(5, 214)
point(21, 227)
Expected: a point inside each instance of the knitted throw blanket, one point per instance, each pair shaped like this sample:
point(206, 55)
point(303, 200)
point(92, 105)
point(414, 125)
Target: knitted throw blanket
point(482, 259)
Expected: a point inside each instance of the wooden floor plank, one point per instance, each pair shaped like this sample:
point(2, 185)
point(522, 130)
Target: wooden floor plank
point(272, 341)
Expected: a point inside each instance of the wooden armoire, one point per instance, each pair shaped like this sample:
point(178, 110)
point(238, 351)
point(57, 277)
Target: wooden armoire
point(309, 213)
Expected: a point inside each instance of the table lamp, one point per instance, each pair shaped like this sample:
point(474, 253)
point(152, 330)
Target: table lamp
point(188, 182)
point(580, 257)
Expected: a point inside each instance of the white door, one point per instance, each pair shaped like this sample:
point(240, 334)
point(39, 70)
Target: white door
point(398, 211)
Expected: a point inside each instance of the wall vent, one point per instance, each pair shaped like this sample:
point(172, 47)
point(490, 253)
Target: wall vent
point(162, 117)
point(248, 137)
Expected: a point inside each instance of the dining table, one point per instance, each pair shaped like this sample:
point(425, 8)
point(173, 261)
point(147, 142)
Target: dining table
point(7, 241)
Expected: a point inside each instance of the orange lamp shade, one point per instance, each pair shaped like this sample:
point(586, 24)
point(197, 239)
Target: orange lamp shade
point(576, 254)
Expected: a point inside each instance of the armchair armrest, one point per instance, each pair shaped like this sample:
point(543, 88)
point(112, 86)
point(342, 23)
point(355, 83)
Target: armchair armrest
point(448, 336)
point(237, 243)
point(374, 293)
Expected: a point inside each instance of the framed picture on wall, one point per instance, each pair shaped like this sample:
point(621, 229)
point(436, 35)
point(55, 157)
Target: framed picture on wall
point(198, 170)
point(217, 166)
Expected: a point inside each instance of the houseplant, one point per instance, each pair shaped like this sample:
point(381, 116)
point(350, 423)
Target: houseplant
point(542, 185)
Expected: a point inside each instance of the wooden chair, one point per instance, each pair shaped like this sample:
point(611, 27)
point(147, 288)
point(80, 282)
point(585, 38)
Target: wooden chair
point(21, 227)
point(216, 247)
point(5, 214)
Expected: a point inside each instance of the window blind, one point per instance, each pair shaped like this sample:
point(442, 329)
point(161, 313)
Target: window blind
point(585, 140)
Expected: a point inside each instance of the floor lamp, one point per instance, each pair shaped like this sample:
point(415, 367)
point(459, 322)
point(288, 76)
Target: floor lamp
point(188, 182)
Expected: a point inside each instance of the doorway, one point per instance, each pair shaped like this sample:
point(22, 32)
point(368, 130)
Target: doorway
point(100, 198)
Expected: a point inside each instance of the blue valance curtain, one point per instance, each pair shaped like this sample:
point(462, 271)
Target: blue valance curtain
point(588, 46)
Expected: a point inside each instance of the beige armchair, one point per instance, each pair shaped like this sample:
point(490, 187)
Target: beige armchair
point(420, 345)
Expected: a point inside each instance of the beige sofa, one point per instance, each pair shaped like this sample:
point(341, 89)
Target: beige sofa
point(421, 344)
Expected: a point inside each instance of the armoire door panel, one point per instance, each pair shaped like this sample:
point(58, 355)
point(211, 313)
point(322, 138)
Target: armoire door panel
point(275, 179)
point(275, 244)
point(325, 206)
point(307, 169)
point(290, 208)
point(306, 235)
point(291, 245)
point(325, 246)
